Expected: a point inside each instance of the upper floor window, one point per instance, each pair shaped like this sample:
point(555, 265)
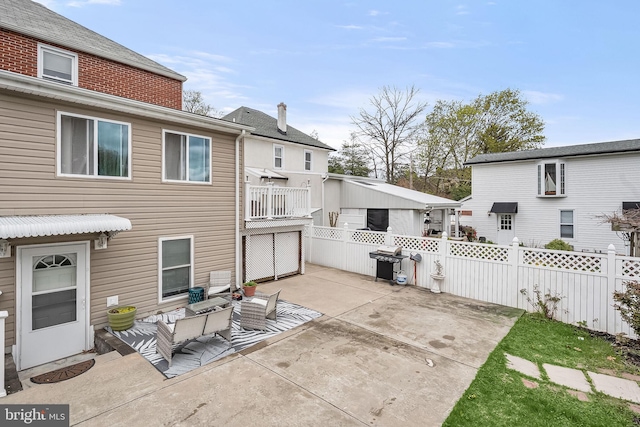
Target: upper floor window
point(186, 157)
point(278, 156)
point(566, 225)
point(551, 179)
point(307, 159)
point(57, 65)
point(94, 147)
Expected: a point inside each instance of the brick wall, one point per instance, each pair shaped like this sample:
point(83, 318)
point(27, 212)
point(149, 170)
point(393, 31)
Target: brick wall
point(19, 54)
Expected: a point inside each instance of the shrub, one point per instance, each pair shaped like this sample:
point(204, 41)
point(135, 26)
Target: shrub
point(628, 304)
point(558, 245)
point(546, 305)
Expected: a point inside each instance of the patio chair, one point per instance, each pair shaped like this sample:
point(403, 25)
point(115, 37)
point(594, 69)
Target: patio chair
point(254, 312)
point(219, 285)
point(169, 336)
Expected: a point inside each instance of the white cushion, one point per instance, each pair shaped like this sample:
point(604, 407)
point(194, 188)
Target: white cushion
point(259, 301)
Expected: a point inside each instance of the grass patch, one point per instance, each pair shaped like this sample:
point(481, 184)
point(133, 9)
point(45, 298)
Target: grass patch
point(497, 396)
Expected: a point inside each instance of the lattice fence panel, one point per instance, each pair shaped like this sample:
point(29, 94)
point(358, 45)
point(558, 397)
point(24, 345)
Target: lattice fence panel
point(287, 253)
point(563, 260)
point(631, 268)
point(479, 251)
point(328, 233)
point(259, 257)
point(417, 243)
point(371, 237)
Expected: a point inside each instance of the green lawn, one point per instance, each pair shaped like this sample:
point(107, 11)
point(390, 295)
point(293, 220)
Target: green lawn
point(498, 397)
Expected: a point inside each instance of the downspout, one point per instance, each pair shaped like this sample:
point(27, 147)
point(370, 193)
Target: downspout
point(323, 211)
point(238, 207)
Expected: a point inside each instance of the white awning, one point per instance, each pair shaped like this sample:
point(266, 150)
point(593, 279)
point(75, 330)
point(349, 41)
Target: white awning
point(12, 227)
point(265, 173)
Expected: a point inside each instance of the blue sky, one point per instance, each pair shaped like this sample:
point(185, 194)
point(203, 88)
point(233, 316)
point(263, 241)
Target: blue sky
point(575, 61)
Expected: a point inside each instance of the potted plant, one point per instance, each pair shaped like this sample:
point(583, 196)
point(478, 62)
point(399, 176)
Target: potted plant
point(250, 288)
point(437, 276)
point(121, 318)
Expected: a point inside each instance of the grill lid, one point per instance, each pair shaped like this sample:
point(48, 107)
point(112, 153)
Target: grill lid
point(389, 250)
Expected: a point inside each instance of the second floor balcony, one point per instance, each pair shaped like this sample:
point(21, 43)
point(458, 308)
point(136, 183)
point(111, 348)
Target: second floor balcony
point(274, 203)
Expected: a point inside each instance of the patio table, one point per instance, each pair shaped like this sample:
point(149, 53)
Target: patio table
point(205, 306)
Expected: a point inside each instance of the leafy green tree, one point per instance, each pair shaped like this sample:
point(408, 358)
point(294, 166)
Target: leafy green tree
point(351, 160)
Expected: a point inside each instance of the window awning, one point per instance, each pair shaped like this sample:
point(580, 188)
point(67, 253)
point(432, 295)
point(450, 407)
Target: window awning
point(12, 227)
point(630, 205)
point(504, 207)
point(265, 173)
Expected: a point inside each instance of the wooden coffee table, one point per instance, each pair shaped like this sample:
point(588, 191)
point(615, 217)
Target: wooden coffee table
point(205, 306)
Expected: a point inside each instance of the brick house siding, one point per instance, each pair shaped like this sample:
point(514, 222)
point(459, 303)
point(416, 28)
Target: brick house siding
point(19, 54)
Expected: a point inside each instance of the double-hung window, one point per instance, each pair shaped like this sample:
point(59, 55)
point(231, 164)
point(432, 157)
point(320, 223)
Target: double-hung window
point(89, 146)
point(186, 157)
point(57, 65)
point(551, 179)
point(307, 160)
point(278, 156)
point(566, 224)
point(175, 259)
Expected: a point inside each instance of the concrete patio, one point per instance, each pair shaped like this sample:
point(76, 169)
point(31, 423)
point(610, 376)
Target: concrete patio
point(380, 355)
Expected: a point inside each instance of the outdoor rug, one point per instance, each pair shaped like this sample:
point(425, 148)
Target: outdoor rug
point(206, 349)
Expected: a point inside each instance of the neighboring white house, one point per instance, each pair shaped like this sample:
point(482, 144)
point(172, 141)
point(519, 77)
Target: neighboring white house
point(555, 193)
point(374, 204)
point(284, 170)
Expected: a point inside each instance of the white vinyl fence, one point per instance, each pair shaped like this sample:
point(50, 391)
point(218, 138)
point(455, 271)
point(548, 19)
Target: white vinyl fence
point(491, 273)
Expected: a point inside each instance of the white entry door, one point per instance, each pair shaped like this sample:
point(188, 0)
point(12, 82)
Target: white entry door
point(52, 316)
point(506, 228)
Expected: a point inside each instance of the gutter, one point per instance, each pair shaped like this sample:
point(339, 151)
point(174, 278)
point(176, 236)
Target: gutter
point(238, 207)
point(38, 87)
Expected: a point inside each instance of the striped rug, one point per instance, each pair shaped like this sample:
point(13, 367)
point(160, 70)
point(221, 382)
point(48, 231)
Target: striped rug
point(142, 337)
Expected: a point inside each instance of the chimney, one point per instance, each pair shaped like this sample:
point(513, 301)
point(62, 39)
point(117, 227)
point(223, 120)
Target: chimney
point(282, 117)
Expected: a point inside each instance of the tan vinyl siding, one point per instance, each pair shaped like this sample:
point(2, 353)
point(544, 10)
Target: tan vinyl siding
point(129, 266)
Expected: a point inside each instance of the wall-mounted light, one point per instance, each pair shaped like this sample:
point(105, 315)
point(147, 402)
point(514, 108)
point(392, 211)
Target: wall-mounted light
point(488, 213)
point(101, 241)
point(5, 249)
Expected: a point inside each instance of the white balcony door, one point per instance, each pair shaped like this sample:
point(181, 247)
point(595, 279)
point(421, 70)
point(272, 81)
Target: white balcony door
point(52, 299)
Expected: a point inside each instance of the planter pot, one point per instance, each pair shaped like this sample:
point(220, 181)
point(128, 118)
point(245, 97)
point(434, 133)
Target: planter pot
point(121, 318)
point(437, 279)
point(249, 290)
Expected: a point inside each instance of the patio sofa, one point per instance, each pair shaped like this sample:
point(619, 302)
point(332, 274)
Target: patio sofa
point(190, 328)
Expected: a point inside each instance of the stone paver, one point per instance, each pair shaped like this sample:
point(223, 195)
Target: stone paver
point(580, 395)
point(616, 387)
point(572, 378)
point(523, 366)
point(529, 384)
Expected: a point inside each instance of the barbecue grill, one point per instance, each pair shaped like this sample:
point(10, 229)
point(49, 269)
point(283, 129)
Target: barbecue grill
point(387, 258)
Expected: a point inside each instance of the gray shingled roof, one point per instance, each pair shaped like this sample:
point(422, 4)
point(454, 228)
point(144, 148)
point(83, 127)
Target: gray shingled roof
point(556, 152)
point(35, 20)
point(267, 126)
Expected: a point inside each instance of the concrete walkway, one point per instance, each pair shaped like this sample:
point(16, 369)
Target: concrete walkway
point(381, 355)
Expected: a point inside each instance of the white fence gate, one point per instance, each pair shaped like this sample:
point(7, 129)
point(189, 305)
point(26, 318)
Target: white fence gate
point(272, 255)
point(492, 273)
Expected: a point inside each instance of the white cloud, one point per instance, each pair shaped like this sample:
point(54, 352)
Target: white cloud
point(389, 39)
point(207, 73)
point(462, 10)
point(536, 97)
point(374, 12)
point(82, 3)
point(350, 27)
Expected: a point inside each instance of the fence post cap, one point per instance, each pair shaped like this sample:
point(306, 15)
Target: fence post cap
point(445, 235)
point(515, 241)
point(611, 248)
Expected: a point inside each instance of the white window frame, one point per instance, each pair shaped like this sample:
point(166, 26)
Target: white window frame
point(281, 157)
point(561, 178)
point(310, 161)
point(185, 181)
point(42, 48)
point(94, 174)
point(161, 269)
point(572, 224)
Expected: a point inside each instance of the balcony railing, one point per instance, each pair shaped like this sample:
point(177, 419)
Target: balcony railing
point(269, 202)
